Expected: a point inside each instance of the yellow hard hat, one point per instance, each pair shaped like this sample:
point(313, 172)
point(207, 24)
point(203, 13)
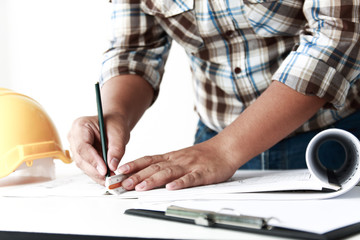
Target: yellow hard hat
point(26, 133)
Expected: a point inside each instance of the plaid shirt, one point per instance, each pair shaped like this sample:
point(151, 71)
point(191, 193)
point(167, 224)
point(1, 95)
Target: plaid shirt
point(237, 47)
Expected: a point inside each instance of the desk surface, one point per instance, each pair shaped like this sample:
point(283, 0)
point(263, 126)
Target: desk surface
point(99, 216)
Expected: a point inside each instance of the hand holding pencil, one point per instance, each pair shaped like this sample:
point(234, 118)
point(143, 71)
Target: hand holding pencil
point(86, 146)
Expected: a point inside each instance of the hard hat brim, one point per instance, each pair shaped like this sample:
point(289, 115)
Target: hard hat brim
point(30, 152)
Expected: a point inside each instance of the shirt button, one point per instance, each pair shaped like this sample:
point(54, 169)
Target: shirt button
point(237, 70)
point(229, 33)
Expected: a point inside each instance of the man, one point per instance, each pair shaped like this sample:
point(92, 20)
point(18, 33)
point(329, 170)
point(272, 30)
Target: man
point(268, 76)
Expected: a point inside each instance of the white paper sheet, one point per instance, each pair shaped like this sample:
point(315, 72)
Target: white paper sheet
point(247, 185)
point(316, 177)
point(243, 185)
point(71, 182)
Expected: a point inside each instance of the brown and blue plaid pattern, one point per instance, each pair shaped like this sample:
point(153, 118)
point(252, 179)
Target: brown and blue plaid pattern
point(237, 47)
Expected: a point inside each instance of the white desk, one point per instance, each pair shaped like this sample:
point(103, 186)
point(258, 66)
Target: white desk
point(101, 215)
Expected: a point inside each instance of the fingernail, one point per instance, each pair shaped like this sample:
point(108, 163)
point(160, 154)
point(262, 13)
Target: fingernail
point(114, 163)
point(128, 183)
point(171, 185)
point(124, 169)
point(101, 170)
point(141, 186)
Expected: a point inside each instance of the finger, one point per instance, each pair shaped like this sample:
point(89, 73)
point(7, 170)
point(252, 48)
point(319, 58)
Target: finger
point(116, 148)
point(189, 180)
point(83, 135)
point(144, 168)
point(160, 178)
point(93, 173)
point(118, 135)
point(81, 156)
point(141, 163)
point(83, 130)
point(89, 160)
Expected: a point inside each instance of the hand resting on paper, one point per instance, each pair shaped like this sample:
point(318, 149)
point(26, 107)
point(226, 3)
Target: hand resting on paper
point(200, 164)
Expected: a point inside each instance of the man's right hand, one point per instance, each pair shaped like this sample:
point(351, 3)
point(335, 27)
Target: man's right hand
point(124, 99)
point(85, 145)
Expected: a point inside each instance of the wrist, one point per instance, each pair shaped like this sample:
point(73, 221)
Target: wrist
point(227, 150)
point(119, 123)
point(128, 97)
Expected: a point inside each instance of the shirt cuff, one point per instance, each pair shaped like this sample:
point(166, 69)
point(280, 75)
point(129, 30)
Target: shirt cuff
point(311, 76)
point(114, 67)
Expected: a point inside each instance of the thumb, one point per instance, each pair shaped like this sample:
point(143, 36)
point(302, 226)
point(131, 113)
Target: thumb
point(116, 151)
point(116, 148)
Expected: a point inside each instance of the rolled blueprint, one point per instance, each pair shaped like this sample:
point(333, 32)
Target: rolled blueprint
point(348, 174)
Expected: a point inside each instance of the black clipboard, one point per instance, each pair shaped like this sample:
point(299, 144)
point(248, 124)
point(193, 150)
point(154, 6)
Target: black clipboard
point(15, 235)
point(260, 229)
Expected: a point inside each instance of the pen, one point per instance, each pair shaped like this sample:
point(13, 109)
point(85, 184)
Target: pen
point(102, 128)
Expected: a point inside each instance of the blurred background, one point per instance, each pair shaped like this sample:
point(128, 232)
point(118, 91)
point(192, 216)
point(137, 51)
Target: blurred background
point(52, 52)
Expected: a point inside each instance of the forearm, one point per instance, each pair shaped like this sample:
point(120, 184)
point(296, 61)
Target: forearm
point(128, 96)
point(273, 116)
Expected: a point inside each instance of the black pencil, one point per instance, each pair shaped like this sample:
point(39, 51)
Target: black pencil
point(102, 128)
